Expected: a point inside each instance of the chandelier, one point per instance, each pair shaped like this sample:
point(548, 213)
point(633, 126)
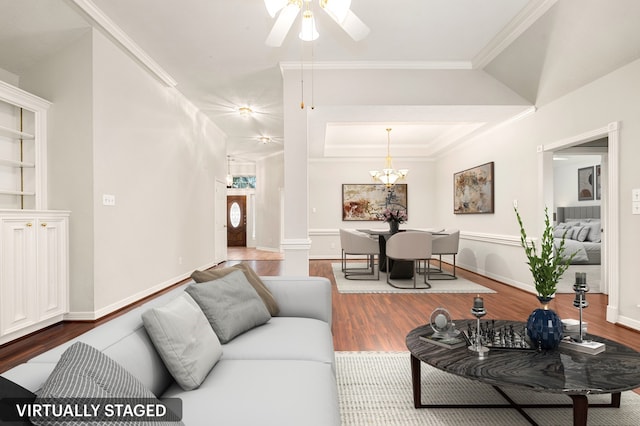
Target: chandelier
point(389, 175)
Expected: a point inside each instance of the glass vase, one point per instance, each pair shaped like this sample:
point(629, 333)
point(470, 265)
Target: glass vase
point(394, 227)
point(544, 326)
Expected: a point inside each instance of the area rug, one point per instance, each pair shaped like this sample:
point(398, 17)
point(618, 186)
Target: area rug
point(360, 285)
point(374, 388)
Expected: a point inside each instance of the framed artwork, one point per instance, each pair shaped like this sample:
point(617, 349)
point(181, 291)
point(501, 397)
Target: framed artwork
point(585, 184)
point(473, 190)
point(367, 201)
point(598, 183)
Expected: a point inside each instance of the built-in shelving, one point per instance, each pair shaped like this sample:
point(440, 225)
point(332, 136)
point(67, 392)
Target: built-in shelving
point(16, 134)
point(23, 121)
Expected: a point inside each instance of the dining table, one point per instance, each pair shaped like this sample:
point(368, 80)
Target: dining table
point(399, 269)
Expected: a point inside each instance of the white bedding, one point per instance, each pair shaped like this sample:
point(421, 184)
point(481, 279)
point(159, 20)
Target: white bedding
point(573, 246)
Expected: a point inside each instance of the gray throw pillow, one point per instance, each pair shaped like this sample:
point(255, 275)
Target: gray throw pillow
point(85, 373)
point(231, 305)
point(184, 339)
point(574, 231)
point(582, 235)
point(559, 232)
point(252, 277)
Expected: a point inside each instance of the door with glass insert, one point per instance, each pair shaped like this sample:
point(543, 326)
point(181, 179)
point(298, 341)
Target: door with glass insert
point(236, 221)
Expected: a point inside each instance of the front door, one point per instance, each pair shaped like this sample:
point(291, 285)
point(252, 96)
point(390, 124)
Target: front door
point(236, 221)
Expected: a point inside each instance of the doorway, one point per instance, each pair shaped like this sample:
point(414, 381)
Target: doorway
point(610, 261)
point(236, 220)
point(582, 202)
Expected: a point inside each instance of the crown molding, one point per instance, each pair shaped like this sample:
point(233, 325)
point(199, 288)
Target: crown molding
point(518, 25)
point(378, 65)
point(99, 18)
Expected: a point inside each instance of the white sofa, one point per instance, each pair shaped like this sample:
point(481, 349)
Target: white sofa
point(279, 373)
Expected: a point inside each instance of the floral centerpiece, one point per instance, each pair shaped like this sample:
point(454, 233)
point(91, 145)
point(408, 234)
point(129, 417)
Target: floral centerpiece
point(544, 326)
point(394, 217)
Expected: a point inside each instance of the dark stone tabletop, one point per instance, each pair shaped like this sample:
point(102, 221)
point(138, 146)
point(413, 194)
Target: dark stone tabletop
point(560, 370)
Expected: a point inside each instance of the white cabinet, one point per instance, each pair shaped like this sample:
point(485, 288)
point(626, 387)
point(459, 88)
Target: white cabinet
point(34, 271)
point(23, 125)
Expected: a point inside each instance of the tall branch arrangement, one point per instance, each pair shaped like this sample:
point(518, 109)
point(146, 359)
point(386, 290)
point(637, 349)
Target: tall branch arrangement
point(548, 266)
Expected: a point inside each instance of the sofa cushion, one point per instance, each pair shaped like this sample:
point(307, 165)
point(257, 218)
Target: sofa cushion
point(284, 339)
point(185, 341)
point(85, 372)
point(263, 392)
point(252, 277)
point(231, 305)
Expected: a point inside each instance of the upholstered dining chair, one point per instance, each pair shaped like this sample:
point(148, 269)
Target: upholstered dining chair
point(414, 246)
point(356, 243)
point(446, 243)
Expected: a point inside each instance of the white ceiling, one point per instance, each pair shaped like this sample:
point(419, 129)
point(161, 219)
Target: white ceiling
point(476, 63)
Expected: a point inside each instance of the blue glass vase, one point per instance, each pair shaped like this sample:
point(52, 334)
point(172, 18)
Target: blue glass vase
point(544, 326)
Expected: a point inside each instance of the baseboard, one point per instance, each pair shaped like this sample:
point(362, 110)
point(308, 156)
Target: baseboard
point(134, 298)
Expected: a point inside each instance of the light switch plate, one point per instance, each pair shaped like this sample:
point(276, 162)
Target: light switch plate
point(635, 207)
point(108, 200)
point(635, 194)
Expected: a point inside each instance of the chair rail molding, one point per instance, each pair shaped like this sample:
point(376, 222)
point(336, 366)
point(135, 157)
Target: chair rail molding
point(296, 252)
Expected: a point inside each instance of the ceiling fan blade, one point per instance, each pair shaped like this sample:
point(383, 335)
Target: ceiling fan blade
point(353, 26)
point(282, 26)
point(274, 6)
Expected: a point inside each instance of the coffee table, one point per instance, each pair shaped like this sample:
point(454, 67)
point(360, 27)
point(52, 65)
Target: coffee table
point(559, 371)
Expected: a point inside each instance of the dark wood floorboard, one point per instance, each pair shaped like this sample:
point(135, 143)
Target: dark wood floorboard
point(371, 322)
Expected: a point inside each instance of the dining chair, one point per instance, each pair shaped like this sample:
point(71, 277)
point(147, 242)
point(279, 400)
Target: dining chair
point(356, 243)
point(413, 246)
point(446, 243)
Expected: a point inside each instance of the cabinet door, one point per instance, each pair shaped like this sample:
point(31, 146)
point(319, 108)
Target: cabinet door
point(52, 267)
point(18, 294)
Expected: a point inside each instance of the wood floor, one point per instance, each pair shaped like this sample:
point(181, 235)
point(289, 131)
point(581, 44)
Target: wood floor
point(370, 322)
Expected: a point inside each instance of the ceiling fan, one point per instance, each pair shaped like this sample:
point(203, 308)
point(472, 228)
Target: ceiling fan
point(287, 11)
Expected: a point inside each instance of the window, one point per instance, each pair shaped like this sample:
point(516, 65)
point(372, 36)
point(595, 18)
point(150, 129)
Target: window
point(244, 182)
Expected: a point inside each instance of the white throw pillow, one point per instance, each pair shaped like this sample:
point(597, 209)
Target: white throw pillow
point(184, 339)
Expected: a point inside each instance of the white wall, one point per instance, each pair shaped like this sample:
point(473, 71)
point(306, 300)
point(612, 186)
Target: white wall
point(491, 243)
point(66, 80)
point(565, 180)
point(269, 192)
point(145, 144)
point(326, 178)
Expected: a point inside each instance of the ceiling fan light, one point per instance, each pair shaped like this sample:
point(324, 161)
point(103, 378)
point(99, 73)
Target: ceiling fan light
point(274, 6)
point(338, 9)
point(245, 111)
point(308, 32)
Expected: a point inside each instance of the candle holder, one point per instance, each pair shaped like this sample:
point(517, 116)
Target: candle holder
point(580, 302)
point(478, 311)
point(579, 343)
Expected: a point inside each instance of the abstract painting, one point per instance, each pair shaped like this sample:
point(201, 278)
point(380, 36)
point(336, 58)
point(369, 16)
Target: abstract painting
point(367, 201)
point(473, 190)
point(585, 184)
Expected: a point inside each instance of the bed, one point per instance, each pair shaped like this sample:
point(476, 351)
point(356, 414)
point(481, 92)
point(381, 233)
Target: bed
point(582, 228)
